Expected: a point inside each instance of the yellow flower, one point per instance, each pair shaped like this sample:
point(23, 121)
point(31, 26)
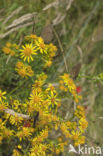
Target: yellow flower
point(39, 149)
point(16, 104)
point(79, 112)
point(20, 135)
point(3, 105)
point(63, 88)
point(19, 64)
point(41, 45)
point(9, 49)
point(57, 151)
point(68, 123)
point(68, 84)
point(15, 120)
point(7, 133)
point(61, 147)
point(6, 50)
point(35, 97)
point(81, 140)
point(22, 72)
point(27, 52)
point(75, 135)
point(73, 125)
point(29, 71)
point(54, 118)
point(76, 100)
point(48, 63)
point(37, 85)
point(8, 44)
point(24, 133)
point(53, 48)
point(83, 124)
point(32, 154)
point(30, 108)
point(42, 77)
point(51, 88)
point(19, 146)
point(2, 95)
point(16, 153)
point(81, 108)
point(31, 37)
point(12, 52)
point(60, 139)
point(52, 99)
point(63, 127)
point(15, 46)
point(27, 131)
point(38, 139)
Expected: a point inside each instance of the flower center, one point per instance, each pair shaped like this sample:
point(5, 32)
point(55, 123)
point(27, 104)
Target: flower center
point(0, 94)
point(52, 88)
point(22, 72)
point(36, 99)
point(27, 51)
point(2, 107)
point(42, 45)
point(75, 137)
point(53, 100)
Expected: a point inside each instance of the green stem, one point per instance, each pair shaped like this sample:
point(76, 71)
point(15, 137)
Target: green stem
point(32, 80)
point(17, 87)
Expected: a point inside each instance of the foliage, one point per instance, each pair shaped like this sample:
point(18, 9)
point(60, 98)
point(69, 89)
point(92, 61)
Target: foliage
point(81, 35)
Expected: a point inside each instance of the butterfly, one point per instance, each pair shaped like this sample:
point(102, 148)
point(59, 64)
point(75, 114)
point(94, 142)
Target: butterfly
point(47, 33)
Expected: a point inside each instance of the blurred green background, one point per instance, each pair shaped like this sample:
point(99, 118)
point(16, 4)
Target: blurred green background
point(77, 31)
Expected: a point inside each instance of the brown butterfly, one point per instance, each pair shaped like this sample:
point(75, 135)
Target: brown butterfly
point(47, 33)
point(75, 70)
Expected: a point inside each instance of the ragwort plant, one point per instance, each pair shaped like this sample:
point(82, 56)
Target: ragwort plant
point(28, 126)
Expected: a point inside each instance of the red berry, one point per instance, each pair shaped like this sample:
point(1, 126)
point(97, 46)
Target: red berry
point(78, 89)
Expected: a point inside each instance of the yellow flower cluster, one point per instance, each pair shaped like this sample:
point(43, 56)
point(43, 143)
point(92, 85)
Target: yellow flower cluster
point(36, 46)
point(80, 112)
point(38, 150)
point(24, 70)
point(40, 138)
point(5, 133)
point(45, 103)
point(24, 133)
point(40, 81)
point(15, 120)
point(67, 84)
point(34, 123)
point(10, 49)
point(75, 130)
